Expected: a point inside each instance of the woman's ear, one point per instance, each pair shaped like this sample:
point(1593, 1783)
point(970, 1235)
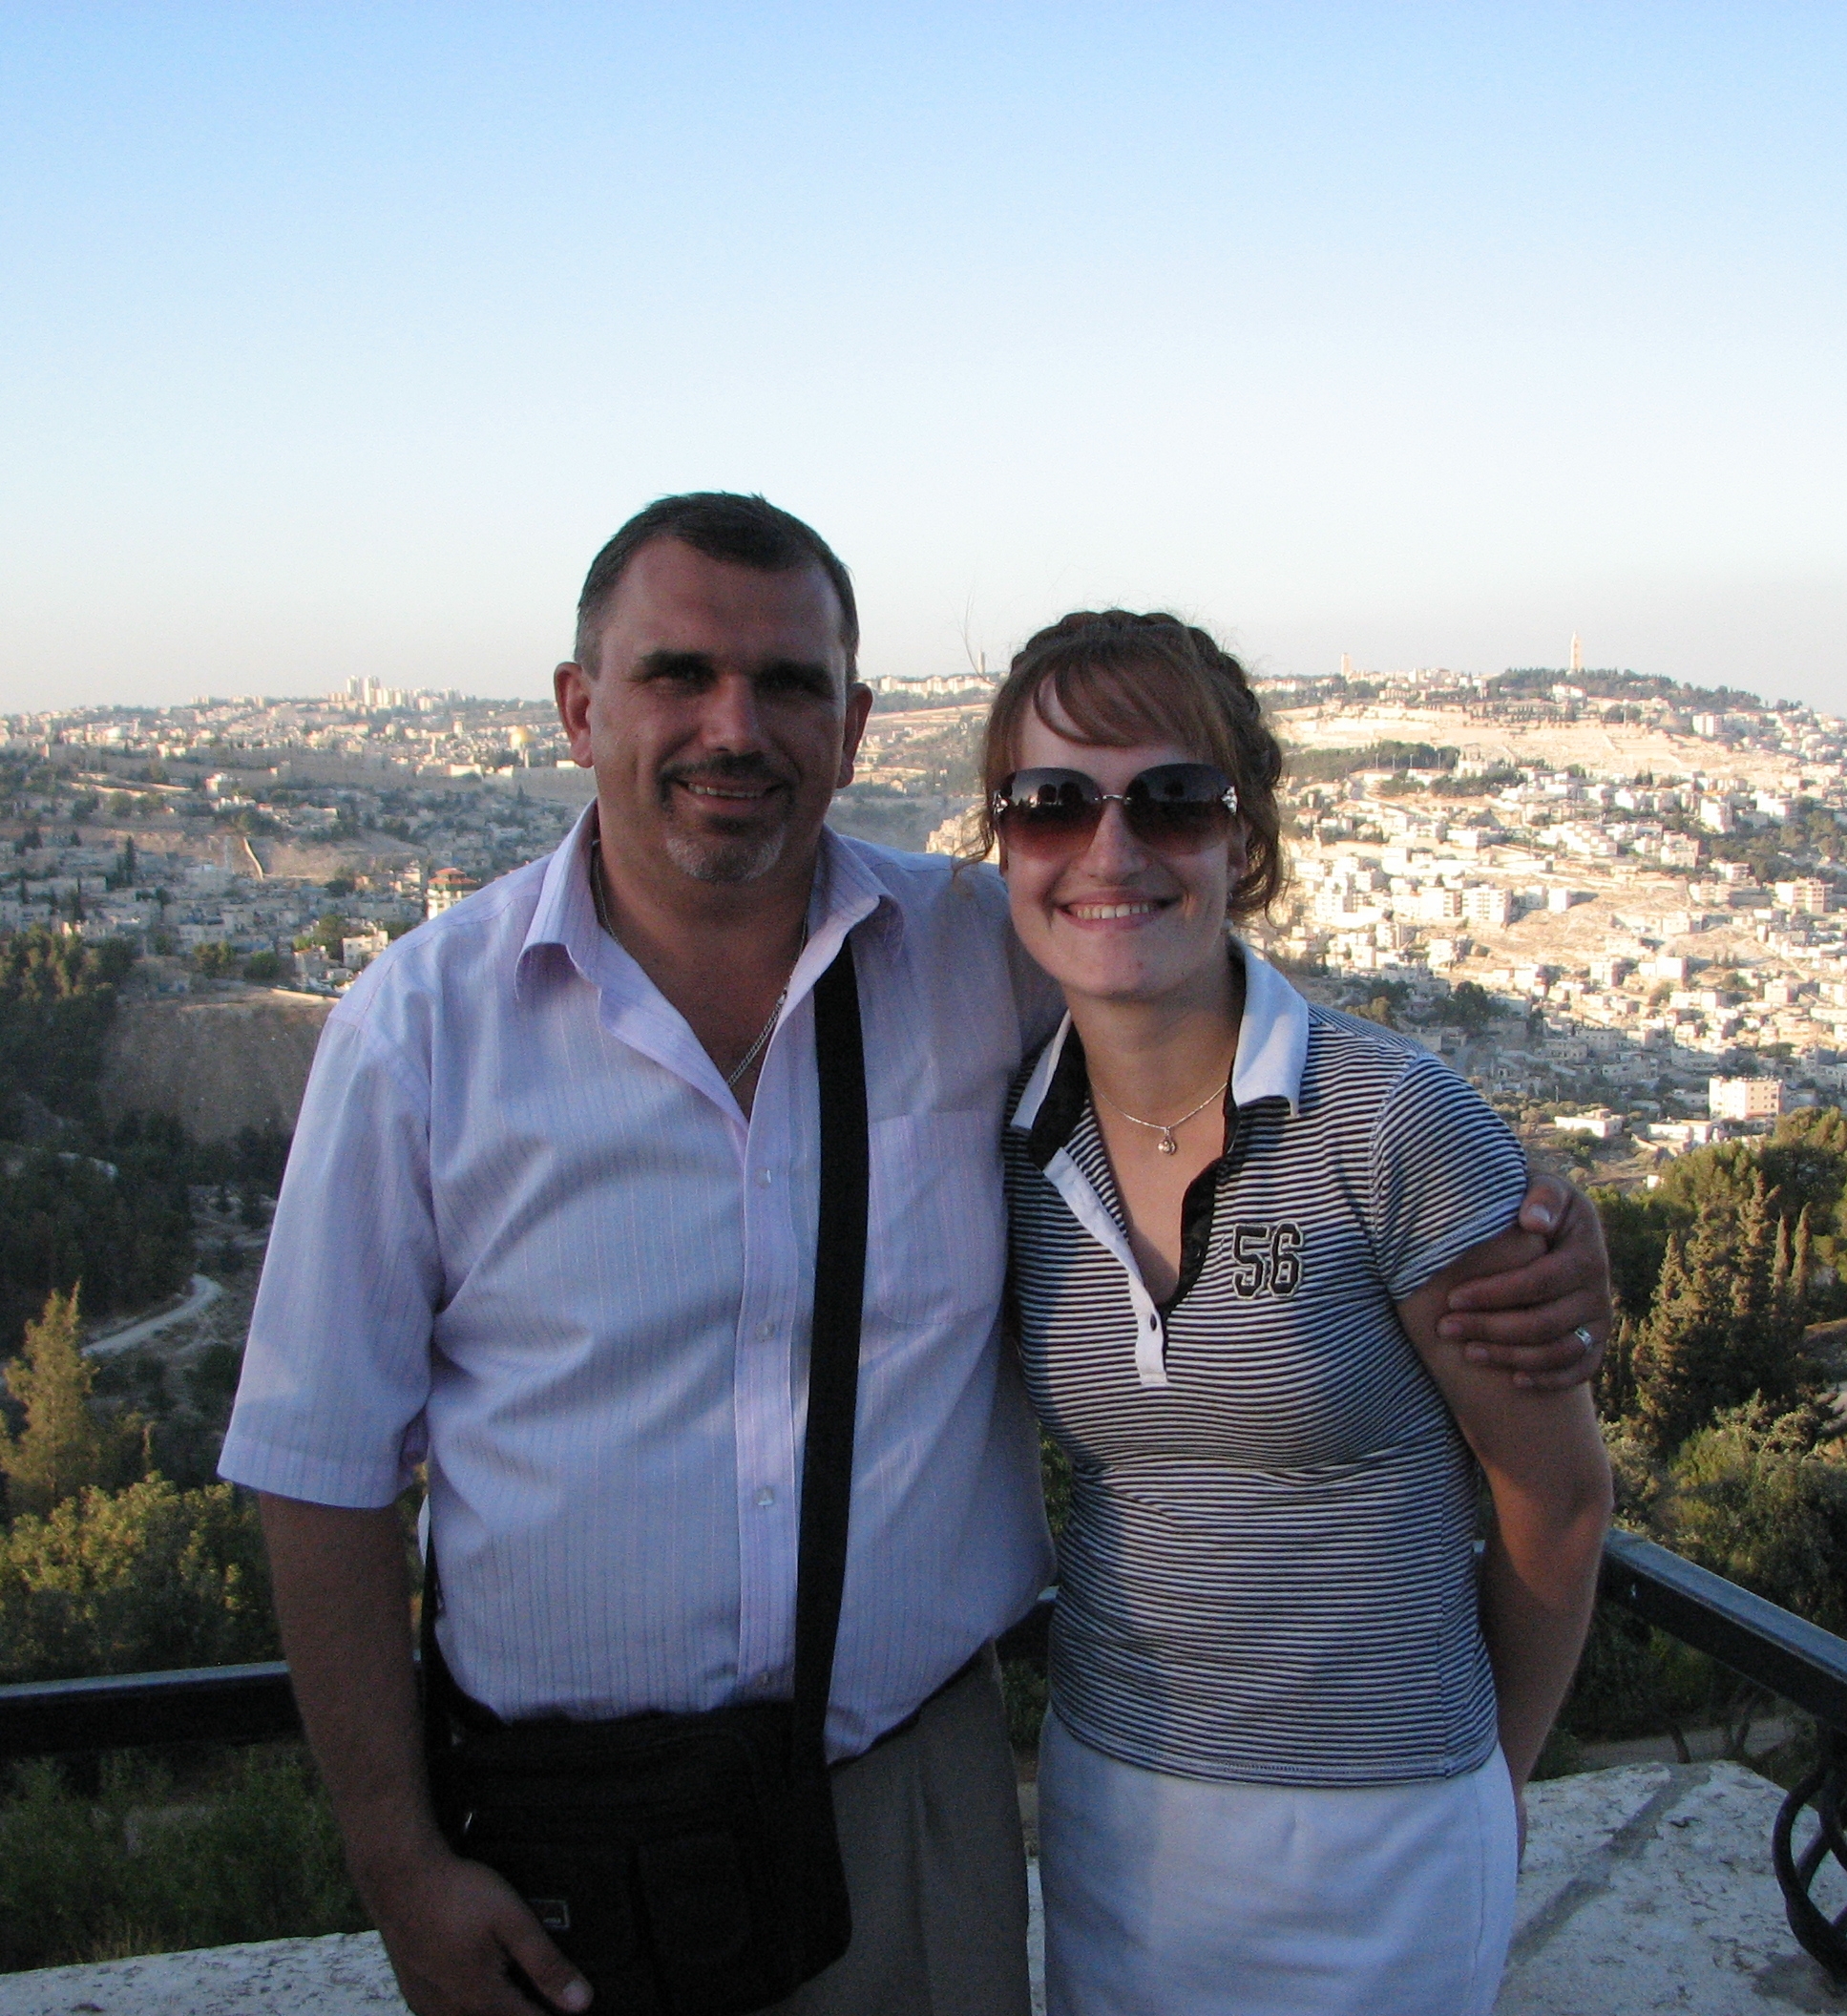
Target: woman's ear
point(1237, 860)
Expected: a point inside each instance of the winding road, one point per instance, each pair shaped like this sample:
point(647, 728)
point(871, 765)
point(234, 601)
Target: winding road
point(200, 1294)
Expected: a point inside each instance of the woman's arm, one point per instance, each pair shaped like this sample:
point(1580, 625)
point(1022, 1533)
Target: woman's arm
point(1550, 1482)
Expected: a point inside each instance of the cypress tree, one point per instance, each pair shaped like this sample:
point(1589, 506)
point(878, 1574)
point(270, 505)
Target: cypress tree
point(61, 1447)
point(1727, 1322)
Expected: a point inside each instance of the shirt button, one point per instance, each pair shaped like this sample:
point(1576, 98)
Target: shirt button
point(766, 1178)
point(766, 1328)
point(764, 1495)
point(764, 1679)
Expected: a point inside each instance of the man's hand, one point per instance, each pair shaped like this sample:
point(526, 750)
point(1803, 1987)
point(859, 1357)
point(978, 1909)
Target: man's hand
point(1524, 1316)
point(450, 1928)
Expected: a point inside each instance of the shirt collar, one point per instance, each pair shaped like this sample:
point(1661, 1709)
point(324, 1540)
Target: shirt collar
point(847, 890)
point(1272, 1049)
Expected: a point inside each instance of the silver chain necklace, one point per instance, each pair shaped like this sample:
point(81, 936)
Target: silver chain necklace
point(1167, 1145)
point(733, 1079)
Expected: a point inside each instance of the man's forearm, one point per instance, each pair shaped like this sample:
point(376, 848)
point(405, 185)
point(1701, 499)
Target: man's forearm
point(344, 1601)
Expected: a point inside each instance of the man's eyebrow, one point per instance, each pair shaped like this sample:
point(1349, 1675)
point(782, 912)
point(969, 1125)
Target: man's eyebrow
point(810, 671)
point(673, 664)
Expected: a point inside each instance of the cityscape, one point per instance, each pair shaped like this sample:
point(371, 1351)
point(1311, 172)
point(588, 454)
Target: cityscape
point(1617, 904)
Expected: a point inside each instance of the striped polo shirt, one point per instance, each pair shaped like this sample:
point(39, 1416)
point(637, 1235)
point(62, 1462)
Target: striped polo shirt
point(1268, 1574)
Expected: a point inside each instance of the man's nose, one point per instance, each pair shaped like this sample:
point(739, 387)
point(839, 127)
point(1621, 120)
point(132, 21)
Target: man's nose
point(731, 717)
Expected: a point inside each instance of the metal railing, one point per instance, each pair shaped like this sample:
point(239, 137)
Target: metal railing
point(1772, 1647)
point(1785, 1654)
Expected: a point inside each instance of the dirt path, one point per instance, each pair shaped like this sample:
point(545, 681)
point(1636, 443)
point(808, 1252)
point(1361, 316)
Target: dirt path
point(200, 1294)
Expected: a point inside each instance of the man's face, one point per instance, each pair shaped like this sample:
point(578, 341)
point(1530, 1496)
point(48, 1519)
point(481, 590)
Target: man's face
point(719, 720)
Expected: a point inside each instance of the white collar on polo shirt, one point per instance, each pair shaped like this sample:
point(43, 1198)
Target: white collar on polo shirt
point(1272, 1044)
point(1272, 1049)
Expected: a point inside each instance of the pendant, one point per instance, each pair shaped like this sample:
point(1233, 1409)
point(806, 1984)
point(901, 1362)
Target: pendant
point(1167, 1145)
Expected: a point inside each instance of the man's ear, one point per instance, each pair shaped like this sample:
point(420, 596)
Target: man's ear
point(572, 687)
point(859, 708)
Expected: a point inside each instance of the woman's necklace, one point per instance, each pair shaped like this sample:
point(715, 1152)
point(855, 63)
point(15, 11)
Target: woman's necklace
point(1167, 1145)
point(733, 1079)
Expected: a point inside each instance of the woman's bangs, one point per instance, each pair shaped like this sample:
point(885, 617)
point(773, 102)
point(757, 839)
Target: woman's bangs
point(1139, 700)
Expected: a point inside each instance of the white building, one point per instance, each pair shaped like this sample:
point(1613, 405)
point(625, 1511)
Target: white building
point(1744, 1098)
point(1601, 1126)
point(1809, 897)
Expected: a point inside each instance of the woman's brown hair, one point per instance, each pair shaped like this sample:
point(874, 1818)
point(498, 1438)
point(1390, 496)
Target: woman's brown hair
point(1118, 678)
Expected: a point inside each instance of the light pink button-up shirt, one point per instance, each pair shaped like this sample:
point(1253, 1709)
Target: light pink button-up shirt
point(527, 1233)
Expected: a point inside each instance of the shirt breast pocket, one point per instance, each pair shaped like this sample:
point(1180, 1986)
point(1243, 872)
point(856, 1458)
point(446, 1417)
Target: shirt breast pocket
point(937, 1242)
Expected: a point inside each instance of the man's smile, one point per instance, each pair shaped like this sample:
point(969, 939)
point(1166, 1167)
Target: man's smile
point(724, 790)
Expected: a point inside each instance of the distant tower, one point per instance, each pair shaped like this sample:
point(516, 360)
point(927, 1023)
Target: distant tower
point(1346, 665)
point(1577, 655)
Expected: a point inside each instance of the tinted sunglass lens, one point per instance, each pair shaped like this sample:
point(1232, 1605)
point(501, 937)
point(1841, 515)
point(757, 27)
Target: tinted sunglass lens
point(1054, 807)
point(1179, 805)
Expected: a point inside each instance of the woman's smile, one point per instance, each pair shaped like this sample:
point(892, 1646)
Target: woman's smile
point(1099, 911)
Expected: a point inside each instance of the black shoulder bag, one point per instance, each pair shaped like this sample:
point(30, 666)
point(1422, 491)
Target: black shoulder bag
point(688, 1864)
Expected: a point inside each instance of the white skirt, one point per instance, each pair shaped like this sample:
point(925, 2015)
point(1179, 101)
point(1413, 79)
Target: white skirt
point(1191, 1896)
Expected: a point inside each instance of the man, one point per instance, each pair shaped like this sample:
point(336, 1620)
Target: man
point(549, 1222)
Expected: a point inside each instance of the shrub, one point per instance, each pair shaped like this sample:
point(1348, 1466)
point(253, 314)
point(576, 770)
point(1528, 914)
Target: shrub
point(83, 1880)
point(141, 1581)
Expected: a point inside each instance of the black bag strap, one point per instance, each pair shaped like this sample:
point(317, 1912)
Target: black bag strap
point(833, 1348)
point(833, 1390)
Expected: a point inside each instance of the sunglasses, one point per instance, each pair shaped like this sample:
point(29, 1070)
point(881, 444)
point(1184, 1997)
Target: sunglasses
point(1174, 808)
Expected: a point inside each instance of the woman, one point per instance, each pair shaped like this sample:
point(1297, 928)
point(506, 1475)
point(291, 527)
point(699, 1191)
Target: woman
point(1290, 1714)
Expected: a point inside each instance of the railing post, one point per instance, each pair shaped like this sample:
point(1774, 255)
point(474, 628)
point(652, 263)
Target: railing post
point(1821, 1935)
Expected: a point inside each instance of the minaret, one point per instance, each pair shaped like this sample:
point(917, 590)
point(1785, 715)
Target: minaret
point(1577, 655)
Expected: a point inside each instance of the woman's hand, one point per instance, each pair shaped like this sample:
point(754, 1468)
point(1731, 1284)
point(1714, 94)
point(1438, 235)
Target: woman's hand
point(1519, 1303)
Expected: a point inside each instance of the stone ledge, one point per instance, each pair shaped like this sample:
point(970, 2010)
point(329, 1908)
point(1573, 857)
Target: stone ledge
point(1650, 1888)
point(1646, 1888)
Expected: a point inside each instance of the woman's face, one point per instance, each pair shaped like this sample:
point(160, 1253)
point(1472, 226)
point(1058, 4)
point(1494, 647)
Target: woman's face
point(1114, 919)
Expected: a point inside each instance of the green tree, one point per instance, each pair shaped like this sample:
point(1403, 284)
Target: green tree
point(1760, 1497)
point(57, 999)
point(61, 1449)
point(1637, 1225)
point(121, 1225)
point(1469, 1006)
point(141, 1580)
point(1727, 1322)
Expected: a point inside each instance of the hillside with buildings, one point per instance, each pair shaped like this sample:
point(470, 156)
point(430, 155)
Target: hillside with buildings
point(1590, 889)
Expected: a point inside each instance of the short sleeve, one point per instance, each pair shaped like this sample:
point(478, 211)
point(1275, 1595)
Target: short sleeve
point(337, 1369)
point(1446, 1174)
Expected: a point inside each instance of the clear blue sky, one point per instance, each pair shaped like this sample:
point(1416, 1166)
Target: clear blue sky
point(336, 337)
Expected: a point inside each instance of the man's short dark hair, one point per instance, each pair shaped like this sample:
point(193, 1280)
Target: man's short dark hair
point(748, 532)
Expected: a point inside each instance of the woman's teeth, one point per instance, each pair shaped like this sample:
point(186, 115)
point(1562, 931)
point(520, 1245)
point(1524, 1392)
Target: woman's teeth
point(1090, 912)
